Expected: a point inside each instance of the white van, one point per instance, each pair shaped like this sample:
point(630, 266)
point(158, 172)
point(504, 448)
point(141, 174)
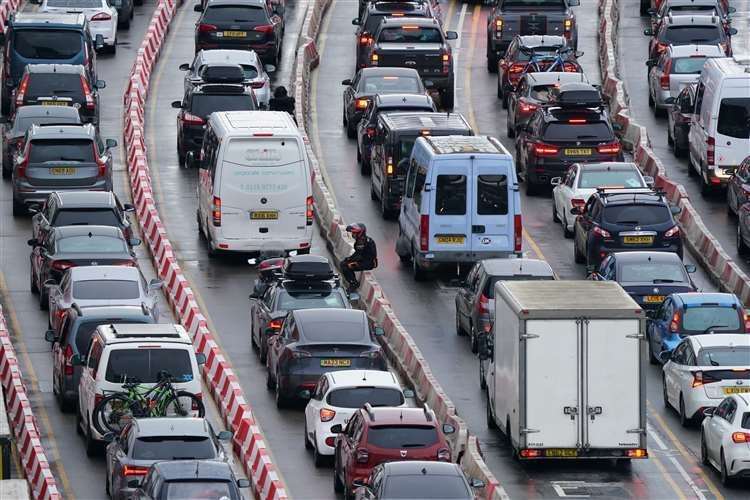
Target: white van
point(255, 184)
point(460, 203)
point(720, 131)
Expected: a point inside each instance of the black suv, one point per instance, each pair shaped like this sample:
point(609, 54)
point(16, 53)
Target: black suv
point(574, 128)
point(619, 220)
point(202, 100)
point(65, 85)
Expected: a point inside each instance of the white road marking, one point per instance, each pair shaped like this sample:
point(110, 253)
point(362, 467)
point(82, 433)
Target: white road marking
point(698, 492)
point(457, 49)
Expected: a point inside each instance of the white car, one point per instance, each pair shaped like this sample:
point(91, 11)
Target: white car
point(101, 16)
point(704, 369)
point(337, 396)
point(725, 438)
point(583, 179)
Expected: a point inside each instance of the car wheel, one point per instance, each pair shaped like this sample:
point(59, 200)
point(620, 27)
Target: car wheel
point(566, 232)
point(270, 382)
point(499, 89)
point(338, 486)
point(577, 255)
point(364, 166)
point(43, 299)
point(459, 329)
point(491, 58)
point(645, 5)
point(555, 216)
point(281, 401)
point(651, 356)
point(685, 421)
point(65, 404)
point(210, 246)
point(482, 377)
point(726, 480)
point(19, 210)
point(664, 393)
point(474, 339)
point(32, 282)
point(308, 444)
point(79, 422)
point(651, 103)
point(92, 447)
point(416, 270)
point(704, 450)
point(490, 417)
point(505, 101)
point(742, 248)
point(447, 99)
point(126, 24)
point(706, 188)
point(351, 129)
point(531, 188)
point(670, 141)
point(679, 152)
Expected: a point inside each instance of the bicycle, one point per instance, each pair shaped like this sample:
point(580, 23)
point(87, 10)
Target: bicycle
point(559, 61)
point(162, 400)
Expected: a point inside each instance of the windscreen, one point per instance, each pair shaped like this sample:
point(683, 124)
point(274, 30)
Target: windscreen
point(637, 215)
point(47, 150)
point(80, 4)
point(203, 490)
point(651, 272)
point(426, 486)
point(145, 365)
point(719, 318)
point(55, 84)
point(233, 14)
point(724, 356)
point(86, 217)
point(402, 436)
point(23, 123)
point(701, 35)
point(173, 448)
point(410, 34)
point(47, 44)
point(356, 397)
point(91, 244)
point(391, 85)
point(293, 300)
point(688, 65)
point(566, 132)
point(204, 104)
point(734, 117)
point(591, 179)
point(106, 290)
point(533, 4)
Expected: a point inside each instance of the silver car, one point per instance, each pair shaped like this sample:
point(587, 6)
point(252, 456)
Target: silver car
point(87, 286)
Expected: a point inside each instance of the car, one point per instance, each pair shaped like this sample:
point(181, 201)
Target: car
point(60, 158)
point(242, 25)
point(369, 82)
point(71, 338)
point(199, 102)
point(689, 30)
point(330, 339)
point(376, 435)
point(189, 479)
point(90, 286)
point(738, 187)
point(81, 208)
point(624, 220)
point(380, 104)
point(255, 73)
point(583, 179)
point(125, 12)
point(574, 128)
point(684, 7)
point(533, 91)
point(337, 396)
point(702, 370)
point(146, 441)
point(14, 131)
point(403, 479)
point(725, 434)
point(743, 229)
point(685, 314)
point(678, 66)
point(66, 247)
point(679, 115)
point(648, 277)
point(421, 44)
point(101, 15)
point(516, 61)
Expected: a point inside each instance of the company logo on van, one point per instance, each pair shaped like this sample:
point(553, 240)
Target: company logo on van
point(262, 154)
point(485, 241)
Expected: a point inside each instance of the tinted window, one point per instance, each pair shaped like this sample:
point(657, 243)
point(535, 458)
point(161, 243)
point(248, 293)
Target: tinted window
point(724, 356)
point(198, 489)
point(534, 3)
point(398, 436)
point(391, 85)
point(334, 331)
point(734, 117)
point(698, 319)
point(685, 65)
point(93, 244)
point(596, 178)
point(173, 448)
point(544, 52)
point(489, 288)
point(290, 301)
point(106, 289)
point(81, 4)
point(651, 272)
point(86, 217)
point(249, 71)
point(541, 92)
point(704, 35)
point(356, 397)
point(55, 84)
point(637, 215)
point(47, 44)
point(410, 34)
point(87, 328)
point(596, 131)
point(426, 486)
point(235, 14)
point(205, 104)
point(745, 420)
point(405, 145)
point(145, 365)
point(450, 195)
point(47, 150)
point(492, 195)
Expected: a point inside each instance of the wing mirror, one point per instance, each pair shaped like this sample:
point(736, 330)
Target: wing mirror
point(475, 483)
point(709, 412)
point(451, 35)
point(346, 81)
point(409, 394)
point(651, 63)
point(243, 483)
point(675, 210)
point(100, 84)
point(155, 284)
point(109, 437)
point(355, 21)
point(576, 211)
point(34, 208)
point(134, 483)
point(733, 31)
point(128, 207)
point(224, 435)
point(278, 9)
point(185, 67)
point(359, 483)
point(200, 358)
point(574, 3)
point(110, 143)
point(270, 68)
point(378, 331)
point(648, 180)
point(579, 53)
point(50, 336)
point(198, 8)
point(190, 158)
point(305, 394)
point(670, 100)
point(617, 127)
point(134, 242)
point(448, 429)
point(555, 181)
point(651, 12)
point(337, 429)
point(648, 32)
point(177, 104)
point(99, 42)
point(665, 356)
point(690, 268)
point(78, 360)
point(354, 297)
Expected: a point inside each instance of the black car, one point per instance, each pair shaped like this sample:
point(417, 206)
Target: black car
point(679, 115)
point(622, 220)
point(65, 85)
point(574, 128)
point(23, 119)
point(368, 83)
point(738, 187)
point(65, 247)
point(240, 24)
point(125, 11)
point(199, 102)
point(648, 277)
point(314, 341)
point(381, 104)
point(189, 479)
point(430, 479)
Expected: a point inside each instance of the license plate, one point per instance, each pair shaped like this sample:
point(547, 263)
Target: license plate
point(560, 452)
point(264, 215)
point(578, 152)
point(450, 240)
point(235, 34)
point(335, 363)
point(653, 299)
point(638, 240)
point(736, 390)
point(62, 171)
point(54, 103)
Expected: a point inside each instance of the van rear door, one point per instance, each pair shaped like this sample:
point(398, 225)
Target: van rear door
point(264, 184)
point(493, 207)
point(450, 220)
point(732, 137)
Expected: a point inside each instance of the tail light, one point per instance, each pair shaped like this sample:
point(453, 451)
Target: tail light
point(603, 233)
point(499, 27)
point(610, 149)
point(309, 210)
point(424, 233)
point(702, 378)
point(527, 453)
point(206, 28)
point(265, 28)
point(516, 68)
point(61, 265)
point(637, 453)
point(90, 104)
point(276, 324)
point(664, 78)
point(674, 324)
point(483, 306)
point(446, 62)
point(365, 39)
point(133, 470)
point(389, 166)
point(741, 437)
point(444, 455)
point(361, 103)
point(577, 202)
point(191, 119)
point(671, 233)
point(216, 211)
point(542, 149)
point(746, 319)
point(68, 360)
point(99, 163)
point(21, 170)
point(374, 58)
point(362, 455)
point(330, 441)
point(517, 233)
point(102, 16)
point(326, 414)
point(526, 107)
point(710, 150)
point(568, 26)
point(258, 85)
point(194, 403)
point(21, 92)
point(570, 67)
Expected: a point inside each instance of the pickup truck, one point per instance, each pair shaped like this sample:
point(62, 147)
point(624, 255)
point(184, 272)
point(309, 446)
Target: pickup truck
point(528, 17)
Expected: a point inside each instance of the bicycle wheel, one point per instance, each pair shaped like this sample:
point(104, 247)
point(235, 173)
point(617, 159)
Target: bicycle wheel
point(114, 412)
point(183, 405)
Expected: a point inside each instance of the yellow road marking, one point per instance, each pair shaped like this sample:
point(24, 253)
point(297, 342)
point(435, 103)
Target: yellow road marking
point(667, 476)
point(468, 60)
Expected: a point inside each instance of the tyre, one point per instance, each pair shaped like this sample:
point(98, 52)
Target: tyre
point(281, 400)
point(459, 329)
point(742, 248)
point(492, 59)
point(510, 130)
point(651, 103)
point(680, 152)
point(308, 444)
point(704, 450)
point(482, 377)
point(664, 394)
point(364, 166)
point(65, 404)
point(531, 188)
point(685, 421)
point(183, 404)
point(318, 459)
point(645, 5)
point(505, 101)
point(651, 356)
point(181, 156)
point(490, 417)
point(555, 217)
point(416, 270)
point(125, 25)
point(474, 339)
point(92, 447)
point(567, 233)
point(43, 298)
point(577, 255)
point(270, 382)
point(32, 282)
point(670, 141)
point(113, 413)
point(19, 210)
point(338, 486)
point(726, 480)
point(7, 169)
point(351, 129)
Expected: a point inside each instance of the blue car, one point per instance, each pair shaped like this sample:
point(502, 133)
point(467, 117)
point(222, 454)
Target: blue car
point(683, 314)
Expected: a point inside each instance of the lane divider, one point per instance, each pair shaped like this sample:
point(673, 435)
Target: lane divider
point(400, 347)
point(248, 441)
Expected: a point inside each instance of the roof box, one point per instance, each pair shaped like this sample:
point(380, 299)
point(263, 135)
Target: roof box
point(222, 73)
point(308, 268)
point(580, 95)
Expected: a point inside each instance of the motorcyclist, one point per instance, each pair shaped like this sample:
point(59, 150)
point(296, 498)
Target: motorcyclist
point(364, 258)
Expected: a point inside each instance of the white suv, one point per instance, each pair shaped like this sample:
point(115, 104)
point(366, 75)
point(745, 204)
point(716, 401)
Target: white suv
point(121, 352)
point(338, 395)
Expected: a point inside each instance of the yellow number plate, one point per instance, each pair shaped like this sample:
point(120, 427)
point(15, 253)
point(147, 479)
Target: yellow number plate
point(62, 171)
point(264, 215)
point(451, 239)
point(653, 299)
point(560, 452)
point(736, 390)
point(578, 152)
point(638, 240)
point(335, 363)
point(54, 103)
point(235, 34)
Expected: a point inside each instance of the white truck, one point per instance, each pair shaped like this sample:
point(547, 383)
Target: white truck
point(566, 372)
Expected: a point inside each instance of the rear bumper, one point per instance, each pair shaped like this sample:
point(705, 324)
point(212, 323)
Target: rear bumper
point(250, 245)
point(430, 260)
point(585, 453)
point(27, 194)
point(191, 138)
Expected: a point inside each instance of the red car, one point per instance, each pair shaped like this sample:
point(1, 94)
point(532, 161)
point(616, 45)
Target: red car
point(383, 434)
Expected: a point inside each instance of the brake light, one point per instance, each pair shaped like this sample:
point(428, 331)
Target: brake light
point(610, 149)
point(664, 78)
point(206, 28)
point(276, 323)
point(483, 306)
point(568, 24)
point(258, 85)
point(362, 455)
point(517, 232)
point(526, 453)
point(603, 233)
point(637, 453)
point(102, 16)
point(61, 265)
point(216, 211)
point(191, 119)
point(577, 121)
point(424, 233)
point(132, 470)
point(301, 354)
point(569, 67)
point(541, 149)
point(444, 455)
point(577, 202)
point(710, 150)
point(374, 57)
point(746, 319)
point(326, 414)
point(526, 107)
point(499, 24)
point(361, 103)
point(741, 437)
point(365, 39)
point(389, 166)
point(90, 104)
point(309, 210)
point(194, 404)
point(330, 441)
point(701, 378)
point(674, 325)
point(671, 233)
point(21, 92)
point(516, 68)
point(265, 28)
point(446, 62)
point(21, 170)
point(101, 164)
point(68, 360)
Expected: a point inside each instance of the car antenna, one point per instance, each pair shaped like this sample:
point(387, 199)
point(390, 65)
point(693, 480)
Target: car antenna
point(364, 376)
point(401, 416)
point(424, 471)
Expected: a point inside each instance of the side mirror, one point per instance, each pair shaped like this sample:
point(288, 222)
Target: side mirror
point(134, 242)
point(253, 295)
point(224, 435)
point(134, 483)
point(32, 242)
point(555, 181)
point(337, 429)
point(709, 412)
point(101, 84)
point(109, 437)
point(574, 3)
point(99, 42)
point(110, 143)
point(50, 336)
point(184, 67)
point(346, 81)
point(34, 208)
point(576, 211)
point(670, 100)
point(616, 127)
point(648, 32)
point(155, 284)
point(128, 207)
point(651, 63)
point(451, 35)
point(200, 358)
point(378, 330)
point(354, 297)
point(198, 8)
point(665, 356)
point(270, 68)
point(190, 158)
point(690, 268)
point(409, 394)
point(477, 483)
point(733, 31)
point(305, 394)
point(177, 104)
point(731, 10)
point(648, 180)
point(278, 9)
point(448, 429)
point(579, 53)
point(675, 209)
point(355, 21)
point(243, 483)
point(78, 360)
point(358, 483)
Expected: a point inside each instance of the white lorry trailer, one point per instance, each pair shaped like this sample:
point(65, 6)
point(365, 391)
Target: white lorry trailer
point(566, 372)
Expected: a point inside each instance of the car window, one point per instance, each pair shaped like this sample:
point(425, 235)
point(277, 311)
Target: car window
point(233, 14)
point(437, 486)
point(146, 364)
point(410, 34)
point(720, 318)
point(724, 356)
point(615, 178)
point(91, 244)
point(173, 447)
point(86, 217)
point(356, 397)
point(47, 44)
point(81, 4)
point(637, 215)
point(421, 177)
point(679, 353)
point(730, 411)
point(651, 272)
point(198, 489)
point(489, 287)
point(745, 424)
point(682, 35)
point(22, 123)
point(403, 150)
point(58, 150)
point(95, 354)
point(106, 289)
point(402, 436)
point(492, 194)
point(543, 52)
point(450, 195)
point(293, 300)
point(688, 65)
point(381, 84)
point(204, 104)
point(55, 84)
point(594, 131)
point(734, 117)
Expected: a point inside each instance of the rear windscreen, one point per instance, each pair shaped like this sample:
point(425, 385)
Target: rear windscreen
point(542, 52)
point(91, 244)
point(373, 19)
point(86, 217)
point(335, 331)
point(249, 72)
point(651, 272)
point(145, 365)
point(564, 132)
point(489, 288)
point(180, 490)
point(688, 65)
point(173, 448)
point(492, 194)
point(106, 290)
point(718, 318)
point(410, 34)
point(724, 356)
point(450, 195)
point(391, 85)
point(81, 4)
point(46, 150)
point(591, 179)
point(22, 124)
point(734, 117)
point(290, 301)
point(233, 14)
point(204, 104)
point(637, 215)
point(701, 35)
point(55, 84)
point(402, 436)
point(432, 486)
point(560, 4)
point(47, 44)
point(356, 397)
point(541, 92)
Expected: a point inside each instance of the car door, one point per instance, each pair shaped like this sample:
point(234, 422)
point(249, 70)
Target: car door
point(450, 206)
point(87, 384)
point(58, 351)
point(672, 370)
point(313, 406)
point(57, 300)
point(116, 454)
point(661, 325)
point(263, 309)
point(349, 93)
point(464, 297)
point(277, 343)
point(410, 209)
point(353, 438)
point(584, 223)
point(563, 193)
point(698, 135)
point(713, 429)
